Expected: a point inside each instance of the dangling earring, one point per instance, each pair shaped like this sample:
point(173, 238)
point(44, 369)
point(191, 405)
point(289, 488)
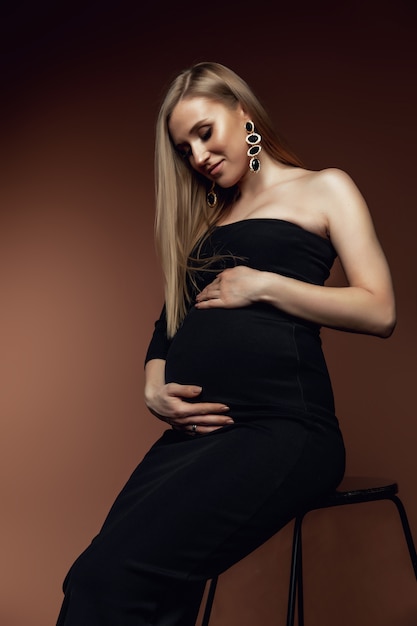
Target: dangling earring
point(212, 197)
point(254, 141)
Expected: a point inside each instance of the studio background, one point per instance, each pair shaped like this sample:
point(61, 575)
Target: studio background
point(81, 287)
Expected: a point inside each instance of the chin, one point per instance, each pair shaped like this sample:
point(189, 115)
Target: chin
point(228, 183)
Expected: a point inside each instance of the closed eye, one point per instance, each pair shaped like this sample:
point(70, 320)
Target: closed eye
point(184, 149)
point(206, 134)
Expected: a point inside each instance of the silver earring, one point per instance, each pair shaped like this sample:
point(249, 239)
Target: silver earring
point(212, 197)
point(254, 141)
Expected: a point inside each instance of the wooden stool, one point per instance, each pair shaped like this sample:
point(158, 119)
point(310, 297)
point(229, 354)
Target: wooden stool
point(352, 490)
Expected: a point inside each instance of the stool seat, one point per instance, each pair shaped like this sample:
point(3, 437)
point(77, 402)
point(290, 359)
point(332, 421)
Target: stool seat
point(358, 489)
point(352, 490)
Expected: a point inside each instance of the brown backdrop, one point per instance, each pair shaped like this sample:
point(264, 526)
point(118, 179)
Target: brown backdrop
point(80, 286)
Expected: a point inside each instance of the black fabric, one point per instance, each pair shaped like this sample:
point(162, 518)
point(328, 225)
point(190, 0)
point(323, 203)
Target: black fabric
point(257, 360)
point(196, 505)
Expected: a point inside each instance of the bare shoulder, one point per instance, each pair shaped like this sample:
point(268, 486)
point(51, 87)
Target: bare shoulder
point(337, 194)
point(332, 181)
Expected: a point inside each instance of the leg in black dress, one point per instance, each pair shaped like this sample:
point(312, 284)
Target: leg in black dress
point(191, 509)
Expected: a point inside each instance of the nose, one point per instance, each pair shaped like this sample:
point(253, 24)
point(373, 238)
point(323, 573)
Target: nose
point(200, 155)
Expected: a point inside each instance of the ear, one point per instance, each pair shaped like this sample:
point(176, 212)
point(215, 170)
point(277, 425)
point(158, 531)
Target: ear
point(242, 112)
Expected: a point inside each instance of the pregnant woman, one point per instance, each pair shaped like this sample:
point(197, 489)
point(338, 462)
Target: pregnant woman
point(247, 238)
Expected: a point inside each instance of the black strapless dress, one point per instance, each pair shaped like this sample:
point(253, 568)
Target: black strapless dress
point(196, 505)
point(258, 360)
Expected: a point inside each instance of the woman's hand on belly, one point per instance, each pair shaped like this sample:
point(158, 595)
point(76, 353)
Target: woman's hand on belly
point(172, 403)
point(235, 287)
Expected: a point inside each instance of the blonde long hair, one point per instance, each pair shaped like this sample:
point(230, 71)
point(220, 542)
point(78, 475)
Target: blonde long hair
point(182, 213)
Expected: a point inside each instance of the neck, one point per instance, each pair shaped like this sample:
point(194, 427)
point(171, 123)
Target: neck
point(271, 173)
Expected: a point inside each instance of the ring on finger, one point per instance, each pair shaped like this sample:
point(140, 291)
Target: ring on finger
point(194, 429)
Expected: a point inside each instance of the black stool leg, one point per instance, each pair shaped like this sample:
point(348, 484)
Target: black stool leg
point(209, 603)
point(300, 589)
point(407, 532)
point(295, 575)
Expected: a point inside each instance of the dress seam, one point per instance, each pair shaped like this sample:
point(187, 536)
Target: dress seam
point(299, 383)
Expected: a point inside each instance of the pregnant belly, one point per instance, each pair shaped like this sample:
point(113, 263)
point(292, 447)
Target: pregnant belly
point(245, 357)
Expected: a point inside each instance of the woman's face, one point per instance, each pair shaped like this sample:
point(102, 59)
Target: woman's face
point(212, 137)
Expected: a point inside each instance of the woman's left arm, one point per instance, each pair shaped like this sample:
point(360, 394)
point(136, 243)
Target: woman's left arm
point(366, 305)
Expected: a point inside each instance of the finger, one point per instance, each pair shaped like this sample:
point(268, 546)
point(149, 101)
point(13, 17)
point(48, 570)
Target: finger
point(183, 391)
point(208, 304)
point(208, 420)
point(212, 291)
point(204, 409)
point(202, 296)
point(202, 423)
point(195, 429)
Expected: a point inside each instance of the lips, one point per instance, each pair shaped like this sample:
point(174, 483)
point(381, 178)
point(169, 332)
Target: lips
point(215, 169)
